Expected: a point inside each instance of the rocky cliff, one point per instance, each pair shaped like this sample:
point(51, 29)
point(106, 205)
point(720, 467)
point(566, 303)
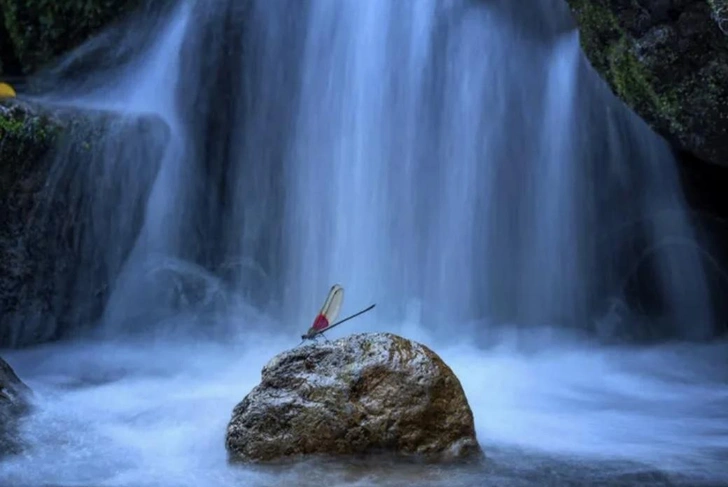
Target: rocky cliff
point(667, 60)
point(54, 273)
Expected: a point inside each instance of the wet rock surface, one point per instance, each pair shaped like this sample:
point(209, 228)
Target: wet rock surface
point(61, 169)
point(362, 394)
point(27, 137)
point(14, 403)
point(667, 60)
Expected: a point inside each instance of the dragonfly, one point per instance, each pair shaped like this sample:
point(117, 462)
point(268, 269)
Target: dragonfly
point(325, 319)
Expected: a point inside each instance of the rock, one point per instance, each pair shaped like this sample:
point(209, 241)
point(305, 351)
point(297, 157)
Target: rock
point(363, 394)
point(61, 175)
point(33, 32)
point(14, 403)
point(667, 60)
point(27, 136)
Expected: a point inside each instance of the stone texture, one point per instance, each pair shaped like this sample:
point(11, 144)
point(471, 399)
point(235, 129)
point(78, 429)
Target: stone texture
point(363, 394)
point(667, 60)
point(27, 136)
point(14, 403)
point(61, 183)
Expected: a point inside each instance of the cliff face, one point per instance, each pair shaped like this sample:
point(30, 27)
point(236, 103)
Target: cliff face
point(668, 61)
point(53, 277)
point(26, 139)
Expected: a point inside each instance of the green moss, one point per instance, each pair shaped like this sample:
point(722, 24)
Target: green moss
point(599, 28)
point(671, 71)
point(25, 138)
point(20, 124)
point(9, 127)
point(634, 84)
point(611, 52)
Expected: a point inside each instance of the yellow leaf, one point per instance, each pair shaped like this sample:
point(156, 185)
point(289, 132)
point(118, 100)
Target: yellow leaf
point(6, 91)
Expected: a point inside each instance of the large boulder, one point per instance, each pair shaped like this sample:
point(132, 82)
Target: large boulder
point(63, 195)
point(363, 394)
point(14, 403)
point(667, 60)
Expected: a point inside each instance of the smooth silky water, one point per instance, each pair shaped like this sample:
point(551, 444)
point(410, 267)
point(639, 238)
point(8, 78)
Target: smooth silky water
point(456, 162)
point(548, 411)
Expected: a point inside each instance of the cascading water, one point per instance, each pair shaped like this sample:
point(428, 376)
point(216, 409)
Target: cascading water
point(427, 155)
point(440, 158)
point(457, 162)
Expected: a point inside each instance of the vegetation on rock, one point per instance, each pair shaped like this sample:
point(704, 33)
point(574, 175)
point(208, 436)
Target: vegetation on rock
point(27, 136)
point(48, 159)
point(668, 61)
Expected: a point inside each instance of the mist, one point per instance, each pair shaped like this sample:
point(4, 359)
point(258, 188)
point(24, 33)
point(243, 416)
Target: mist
point(457, 163)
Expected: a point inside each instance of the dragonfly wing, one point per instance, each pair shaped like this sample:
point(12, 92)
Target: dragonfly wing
point(329, 311)
point(332, 305)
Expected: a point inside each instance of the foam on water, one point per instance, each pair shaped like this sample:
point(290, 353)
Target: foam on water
point(153, 413)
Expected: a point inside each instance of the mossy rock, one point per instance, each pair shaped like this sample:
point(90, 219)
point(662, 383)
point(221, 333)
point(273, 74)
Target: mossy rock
point(36, 31)
point(668, 61)
point(60, 170)
point(26, 139)
point(26, 135)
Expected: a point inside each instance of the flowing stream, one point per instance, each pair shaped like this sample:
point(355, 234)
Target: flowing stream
point(549, 411)
point(456, 162)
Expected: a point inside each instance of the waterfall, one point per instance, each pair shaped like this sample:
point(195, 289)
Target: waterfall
point(457, 162)
point(442, 156)
point(452, 157)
